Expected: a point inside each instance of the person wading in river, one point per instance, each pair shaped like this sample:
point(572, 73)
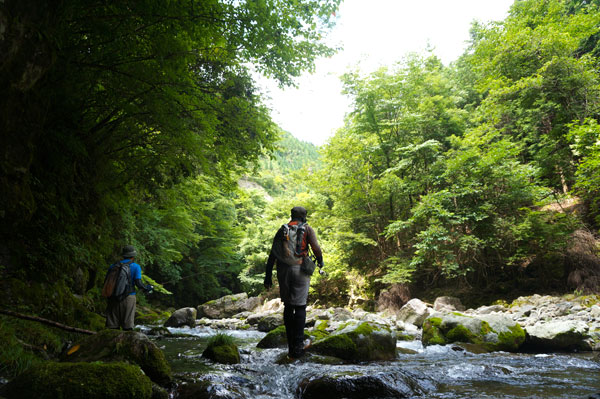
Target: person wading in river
point(120, 310)
point(294, 280)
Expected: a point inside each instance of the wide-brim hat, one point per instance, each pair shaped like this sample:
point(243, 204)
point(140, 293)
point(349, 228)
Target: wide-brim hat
point(128, 251)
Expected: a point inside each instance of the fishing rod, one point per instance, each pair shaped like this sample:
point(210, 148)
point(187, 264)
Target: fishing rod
point(181, 278)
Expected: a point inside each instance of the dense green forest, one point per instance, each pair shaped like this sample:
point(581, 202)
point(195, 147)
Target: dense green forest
point(132, 122)
point(139, 122)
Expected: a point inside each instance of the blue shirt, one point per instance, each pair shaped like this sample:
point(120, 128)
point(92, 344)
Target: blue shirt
point(135, 273)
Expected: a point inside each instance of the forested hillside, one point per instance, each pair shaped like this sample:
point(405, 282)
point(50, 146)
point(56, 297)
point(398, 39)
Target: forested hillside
point(290, 156)
point(472, 178)
point(133, 122)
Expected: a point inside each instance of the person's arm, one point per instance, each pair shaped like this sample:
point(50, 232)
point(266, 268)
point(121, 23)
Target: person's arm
point(269, 271)
point(137, 279)
point(314, 245)
point(138, 283)
point(268, 283)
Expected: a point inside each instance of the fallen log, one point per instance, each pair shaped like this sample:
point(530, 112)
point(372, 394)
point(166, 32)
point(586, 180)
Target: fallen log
point(47, 322)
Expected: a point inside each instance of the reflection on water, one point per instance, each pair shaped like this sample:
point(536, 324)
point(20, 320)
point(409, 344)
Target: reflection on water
point(444, 371)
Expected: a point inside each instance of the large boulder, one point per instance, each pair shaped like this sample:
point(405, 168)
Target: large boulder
point(228, 306)
point(358, 342)
point(561, 335)
point(487, 332)
point(414, 312)
point(182, 317)
point(447, 304)
point(123, 346)
point(396, 384)
point(392, 299)
point(52, 380)
point(270, 322)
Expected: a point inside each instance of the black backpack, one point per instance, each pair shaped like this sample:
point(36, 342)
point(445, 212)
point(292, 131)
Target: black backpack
point(289, 249)
point(117, 283)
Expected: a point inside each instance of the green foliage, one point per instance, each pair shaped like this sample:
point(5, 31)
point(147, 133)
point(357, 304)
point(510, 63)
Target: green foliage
point(538, 81)
point(116, 116)
point(14, 357)
point(140, 123)
point(442, 174)
point(586, 146)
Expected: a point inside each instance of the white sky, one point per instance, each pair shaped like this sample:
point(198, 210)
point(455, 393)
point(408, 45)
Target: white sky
point(374, 33)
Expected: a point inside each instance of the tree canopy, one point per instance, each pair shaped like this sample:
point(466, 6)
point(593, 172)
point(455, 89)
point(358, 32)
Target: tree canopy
point(141, 123)
point(130, 121)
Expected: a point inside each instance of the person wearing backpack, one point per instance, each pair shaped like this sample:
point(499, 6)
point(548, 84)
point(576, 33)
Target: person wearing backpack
point(119, 289)
point(290, 250)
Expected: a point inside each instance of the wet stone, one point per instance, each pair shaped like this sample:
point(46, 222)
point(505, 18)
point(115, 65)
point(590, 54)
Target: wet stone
point(357, 386)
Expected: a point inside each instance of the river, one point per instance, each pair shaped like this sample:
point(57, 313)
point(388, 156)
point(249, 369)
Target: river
point(443, 371)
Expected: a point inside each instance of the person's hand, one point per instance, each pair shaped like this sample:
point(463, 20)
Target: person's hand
point(321, 271)
point(268, 282)
point(149, 288)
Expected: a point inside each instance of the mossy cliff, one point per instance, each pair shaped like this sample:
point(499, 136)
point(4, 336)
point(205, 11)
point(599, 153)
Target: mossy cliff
point(489, 333)
point(81, 381)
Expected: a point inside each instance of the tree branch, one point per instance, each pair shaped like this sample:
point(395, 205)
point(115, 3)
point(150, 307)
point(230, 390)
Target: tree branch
point(48, 322)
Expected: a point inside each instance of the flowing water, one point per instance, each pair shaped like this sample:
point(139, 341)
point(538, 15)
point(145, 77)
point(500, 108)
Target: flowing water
point(442, 371)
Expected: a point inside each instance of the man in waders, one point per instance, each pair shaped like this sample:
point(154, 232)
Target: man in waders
point(120, 311)
point(290, 249)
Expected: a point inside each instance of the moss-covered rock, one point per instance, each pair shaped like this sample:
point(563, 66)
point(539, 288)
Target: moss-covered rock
point(148, 316)
point(489, 332)
point(222, 349)
point(81, 381)
point(358, 342)
point(319, 331)
point(127, 346)
point(432, 334)
point(564, 335)
point(277, 338)
point(274, 339)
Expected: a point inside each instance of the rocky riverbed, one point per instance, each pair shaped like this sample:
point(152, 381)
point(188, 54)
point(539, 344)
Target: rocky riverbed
point(532, 324)
point(534, 347)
